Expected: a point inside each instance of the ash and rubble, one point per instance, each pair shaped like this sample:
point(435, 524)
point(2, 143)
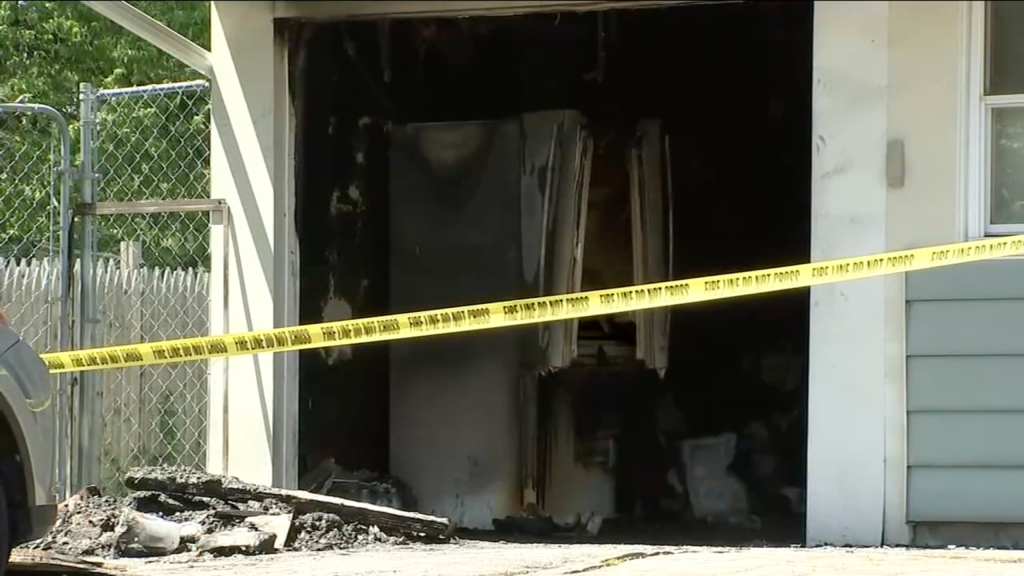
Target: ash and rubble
point(697, 459)
point(332, 480)
point(173, 510)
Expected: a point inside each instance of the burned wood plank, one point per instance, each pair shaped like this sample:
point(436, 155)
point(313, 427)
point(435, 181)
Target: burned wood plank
point(51, 562)
point(193, 483)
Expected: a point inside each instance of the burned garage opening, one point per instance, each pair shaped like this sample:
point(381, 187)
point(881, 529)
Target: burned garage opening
point(445, 162)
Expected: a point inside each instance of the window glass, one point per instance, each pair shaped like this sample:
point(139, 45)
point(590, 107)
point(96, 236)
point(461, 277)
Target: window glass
point(1007, 149)
point(1005, 66)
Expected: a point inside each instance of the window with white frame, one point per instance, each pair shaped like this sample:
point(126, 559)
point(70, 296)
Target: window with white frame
point(996, 180)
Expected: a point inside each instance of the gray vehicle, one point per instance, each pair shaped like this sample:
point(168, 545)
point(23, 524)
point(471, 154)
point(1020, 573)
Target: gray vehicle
point(27, 502)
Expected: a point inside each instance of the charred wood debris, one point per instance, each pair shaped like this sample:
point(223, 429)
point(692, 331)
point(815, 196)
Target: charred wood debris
point(174, 511)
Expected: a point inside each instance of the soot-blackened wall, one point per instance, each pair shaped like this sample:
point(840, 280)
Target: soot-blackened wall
point(342, 219)
point(347, 97)
point(455, 239)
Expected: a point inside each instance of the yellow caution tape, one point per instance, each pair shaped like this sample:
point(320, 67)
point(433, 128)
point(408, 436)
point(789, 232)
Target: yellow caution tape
point(533, 310)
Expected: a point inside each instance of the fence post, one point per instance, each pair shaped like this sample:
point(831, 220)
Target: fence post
point(90, 404)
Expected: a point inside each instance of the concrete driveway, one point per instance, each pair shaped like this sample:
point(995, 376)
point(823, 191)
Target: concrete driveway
point(501, 559)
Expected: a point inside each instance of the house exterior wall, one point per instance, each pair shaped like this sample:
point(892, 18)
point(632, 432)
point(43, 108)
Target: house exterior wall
point(254, 402)
point(965, 405)
point(882, 71)
point(898, 67)
point(846, 393)
point(962, 468)
point(926, 83)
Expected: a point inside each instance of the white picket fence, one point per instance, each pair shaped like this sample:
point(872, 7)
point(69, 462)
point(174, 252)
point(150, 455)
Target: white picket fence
point(152, 415)
point(30, 297)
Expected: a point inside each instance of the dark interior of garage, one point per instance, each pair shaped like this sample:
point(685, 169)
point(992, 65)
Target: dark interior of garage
point(731, 86)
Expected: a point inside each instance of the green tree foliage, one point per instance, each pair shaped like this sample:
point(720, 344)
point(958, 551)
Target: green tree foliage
point(148, 147)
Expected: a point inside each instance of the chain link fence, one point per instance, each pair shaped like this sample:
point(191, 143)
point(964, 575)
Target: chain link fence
point(35, 270)
point(153, 143)
point(138, 265)
point(34, 173)
point(150, 265)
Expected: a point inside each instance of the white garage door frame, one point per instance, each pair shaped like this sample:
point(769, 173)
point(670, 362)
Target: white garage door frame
point(847, 431)
point(370, 10)
point(847, 412)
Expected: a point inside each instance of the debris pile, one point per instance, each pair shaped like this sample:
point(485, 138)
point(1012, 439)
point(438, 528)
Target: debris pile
point(726, 449)
point(173, 510)
point(332, 480)
point(751, 467)
point(531, 521)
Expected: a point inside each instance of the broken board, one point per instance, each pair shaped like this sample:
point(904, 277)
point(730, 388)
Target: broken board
point(192, 483)
point(35, 561)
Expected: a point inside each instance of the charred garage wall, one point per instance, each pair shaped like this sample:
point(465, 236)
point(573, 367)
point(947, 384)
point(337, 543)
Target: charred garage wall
point(353, 80)
point(730, 81)
point(342, 221)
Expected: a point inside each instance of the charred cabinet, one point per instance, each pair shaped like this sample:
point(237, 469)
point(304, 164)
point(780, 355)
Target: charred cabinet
point(651, 211)
point(560, 180)
point(602, 202)
point(556, 172)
